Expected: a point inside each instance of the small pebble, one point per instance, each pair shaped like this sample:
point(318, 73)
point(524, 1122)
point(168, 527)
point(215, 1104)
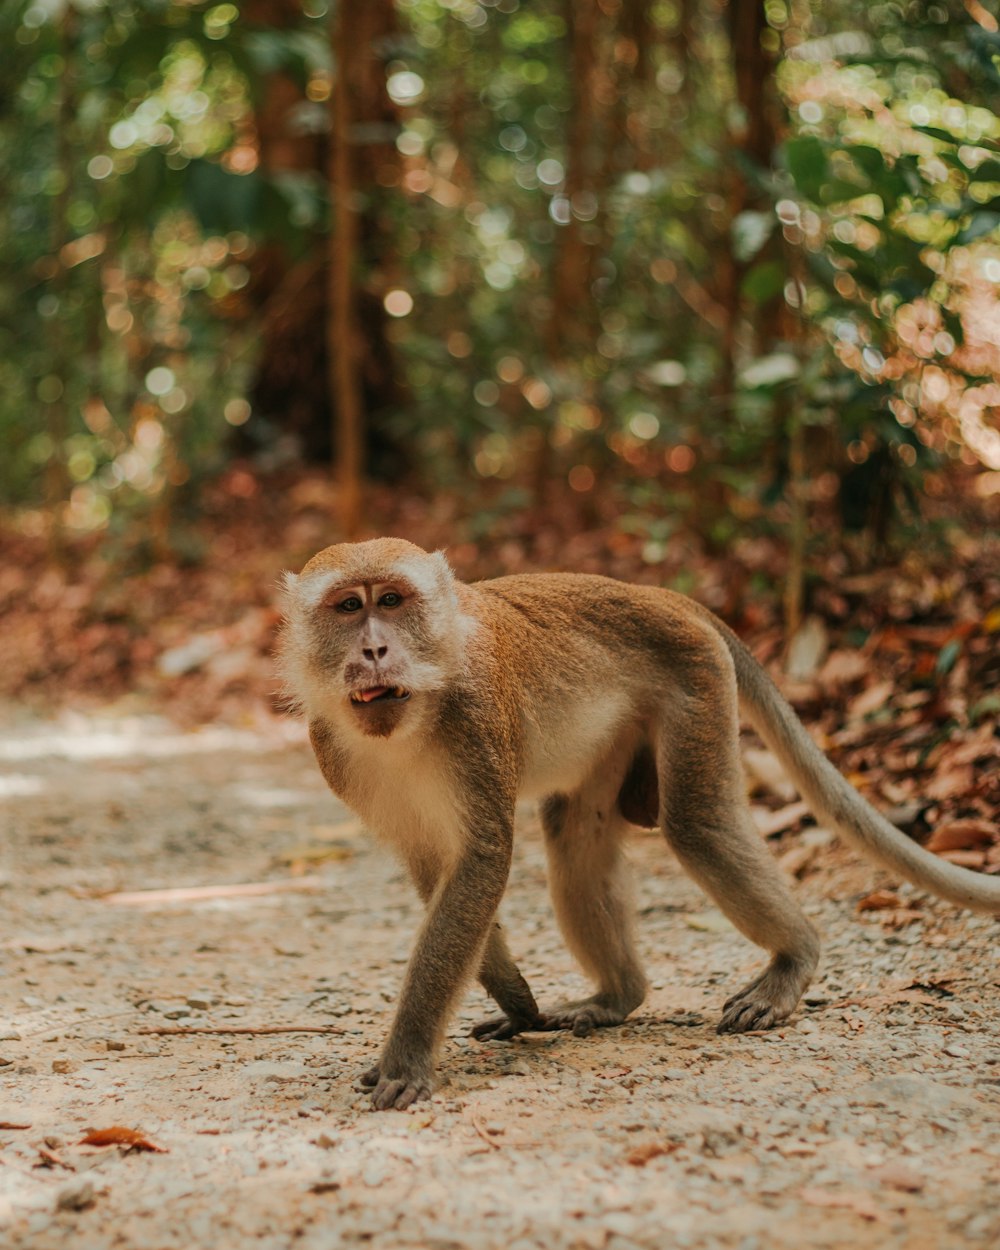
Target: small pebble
point(76, 1197)
point(63, 1065)
point(956, 1050)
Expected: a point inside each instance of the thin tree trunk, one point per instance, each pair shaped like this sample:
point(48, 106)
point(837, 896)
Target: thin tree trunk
point(56, 475)
point(345, 380)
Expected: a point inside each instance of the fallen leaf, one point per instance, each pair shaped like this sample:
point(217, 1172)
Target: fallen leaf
point(769, 823)
point(708, 922)
point(641, 1155)
point(899, 1176)
point(879, 899)
point(117, 1135)
point(965, 859)
point(324, 1187)
point(963, 835)
point(9, 1124)
point(843, 667)
point(951, 783)
point(766, 770)
point(49, 1159)
point(797, 859)
point(807, 649)
point(310, 853)
point(870, 700)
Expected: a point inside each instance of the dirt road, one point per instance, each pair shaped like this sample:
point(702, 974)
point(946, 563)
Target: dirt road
point(872, 1119)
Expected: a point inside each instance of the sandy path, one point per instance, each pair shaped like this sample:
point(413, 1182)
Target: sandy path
point(869, 1122)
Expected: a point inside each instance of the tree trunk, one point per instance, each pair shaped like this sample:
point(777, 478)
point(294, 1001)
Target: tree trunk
point(342, 353)
point(56, 475)
point(294, 298)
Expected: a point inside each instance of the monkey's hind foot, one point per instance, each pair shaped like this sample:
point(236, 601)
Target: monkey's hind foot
point(398, 1093)
point(502, 1028)
point(583, 1017)
point(767, 1000)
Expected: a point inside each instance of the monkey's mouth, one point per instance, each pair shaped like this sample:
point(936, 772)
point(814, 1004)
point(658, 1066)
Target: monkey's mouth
point(378, 694)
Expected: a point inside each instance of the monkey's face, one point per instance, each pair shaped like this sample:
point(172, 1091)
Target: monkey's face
point(373, 630)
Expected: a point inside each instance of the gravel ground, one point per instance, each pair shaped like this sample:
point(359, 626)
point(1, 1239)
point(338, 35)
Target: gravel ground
point(871, 1119)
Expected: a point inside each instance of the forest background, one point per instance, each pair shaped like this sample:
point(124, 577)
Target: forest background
point(702, 293)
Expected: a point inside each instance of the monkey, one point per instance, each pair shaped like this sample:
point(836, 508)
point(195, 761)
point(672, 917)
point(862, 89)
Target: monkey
point(433, 706)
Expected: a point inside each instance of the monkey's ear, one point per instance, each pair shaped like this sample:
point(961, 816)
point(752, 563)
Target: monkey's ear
point(287, 584)
point(441, 560)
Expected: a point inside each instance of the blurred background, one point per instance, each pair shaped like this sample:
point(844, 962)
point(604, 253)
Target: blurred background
point(696, 292)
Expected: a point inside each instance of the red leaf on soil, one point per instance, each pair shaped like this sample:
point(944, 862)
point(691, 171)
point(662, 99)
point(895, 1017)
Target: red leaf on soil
point(963, 835)
point(641, 1155)
point(119, 1136)
point(878, 900)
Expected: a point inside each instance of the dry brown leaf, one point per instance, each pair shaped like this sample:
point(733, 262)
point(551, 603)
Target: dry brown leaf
point(951, 782)
point(766, 770)
point(769, 823)
point(797, 859)
point(870, 700)
point(963, 835)
point(641, 1155)
point(49, 1159)
point(807, 649)
point(117, 1135)
point(878, 900)
point(965, 859)
point(843, 667)
point(899, 1176)
point(9, 1124)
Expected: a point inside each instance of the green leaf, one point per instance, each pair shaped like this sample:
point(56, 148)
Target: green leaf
point(764, 281)
point(947, 656)
point(806, 159)
point(936, 132)
point(987, 171)
point(222, 201)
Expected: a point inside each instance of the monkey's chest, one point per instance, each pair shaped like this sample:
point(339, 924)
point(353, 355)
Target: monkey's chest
point(570, 740)
point(407, 801)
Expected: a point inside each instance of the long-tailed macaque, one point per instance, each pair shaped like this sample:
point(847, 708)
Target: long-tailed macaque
point(433, 706)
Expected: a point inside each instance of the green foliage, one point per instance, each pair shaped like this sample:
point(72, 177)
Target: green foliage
point(715, 301)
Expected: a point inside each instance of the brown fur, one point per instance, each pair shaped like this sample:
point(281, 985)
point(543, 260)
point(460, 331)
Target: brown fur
point(613, 704)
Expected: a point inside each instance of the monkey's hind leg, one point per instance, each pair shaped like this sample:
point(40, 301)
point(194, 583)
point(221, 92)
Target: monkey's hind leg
point(706, 820)
point(589, 882)
point(504, 983)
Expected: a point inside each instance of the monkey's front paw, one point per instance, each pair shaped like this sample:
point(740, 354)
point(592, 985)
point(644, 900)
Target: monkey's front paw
point(399, 1093)
point(396, 1092)
point(768, 999)
point(746, 1015)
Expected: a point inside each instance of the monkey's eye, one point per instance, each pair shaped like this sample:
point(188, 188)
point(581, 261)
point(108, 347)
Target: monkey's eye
point(391, 599)
point(350, 604)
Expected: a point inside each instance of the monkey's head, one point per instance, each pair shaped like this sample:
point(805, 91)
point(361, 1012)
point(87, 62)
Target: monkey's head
point(372, 630)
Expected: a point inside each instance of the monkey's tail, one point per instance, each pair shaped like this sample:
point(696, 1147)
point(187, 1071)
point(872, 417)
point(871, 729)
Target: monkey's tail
point(834, 800)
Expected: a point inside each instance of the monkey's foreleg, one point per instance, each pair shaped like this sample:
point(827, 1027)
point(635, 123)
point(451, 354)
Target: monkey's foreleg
point(447, 948)
point(502, 980)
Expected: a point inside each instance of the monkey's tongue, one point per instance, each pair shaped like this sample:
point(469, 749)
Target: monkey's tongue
point(368, 696)
point(378, 692)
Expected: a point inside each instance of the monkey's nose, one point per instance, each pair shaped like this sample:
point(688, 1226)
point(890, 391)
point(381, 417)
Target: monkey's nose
point(374, 653)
